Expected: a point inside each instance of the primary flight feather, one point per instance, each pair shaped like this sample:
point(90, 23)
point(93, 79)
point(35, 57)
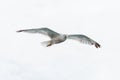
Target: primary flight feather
point(58, 38)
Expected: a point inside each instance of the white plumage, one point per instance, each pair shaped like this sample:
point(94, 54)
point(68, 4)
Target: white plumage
point(58, 38)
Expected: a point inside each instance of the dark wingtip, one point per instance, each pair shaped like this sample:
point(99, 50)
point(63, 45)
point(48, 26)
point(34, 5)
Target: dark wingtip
point(19, 31)
point(97, 45)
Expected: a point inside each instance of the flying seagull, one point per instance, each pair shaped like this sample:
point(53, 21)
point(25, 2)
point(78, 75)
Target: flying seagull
point(58, 38)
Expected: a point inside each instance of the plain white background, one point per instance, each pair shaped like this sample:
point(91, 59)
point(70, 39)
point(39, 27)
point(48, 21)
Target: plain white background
point(23, 58)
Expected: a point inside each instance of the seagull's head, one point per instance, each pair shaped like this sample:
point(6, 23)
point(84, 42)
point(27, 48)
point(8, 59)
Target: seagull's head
point(64, 36)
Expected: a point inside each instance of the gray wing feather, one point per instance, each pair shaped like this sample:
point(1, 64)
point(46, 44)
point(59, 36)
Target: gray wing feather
point(84, 39)
point(44, 31)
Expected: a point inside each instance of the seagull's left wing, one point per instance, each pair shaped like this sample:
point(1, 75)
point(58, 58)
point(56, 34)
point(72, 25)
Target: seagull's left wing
point(45, 31)
point(84, 39)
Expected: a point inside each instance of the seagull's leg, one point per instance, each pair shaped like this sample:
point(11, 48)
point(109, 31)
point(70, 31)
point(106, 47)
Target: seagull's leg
point(47, 43)
point(50, 44)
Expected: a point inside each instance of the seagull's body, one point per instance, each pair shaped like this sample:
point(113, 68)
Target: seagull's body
point(58, 38)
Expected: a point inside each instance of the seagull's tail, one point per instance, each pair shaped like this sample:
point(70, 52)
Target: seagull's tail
point(46, 43)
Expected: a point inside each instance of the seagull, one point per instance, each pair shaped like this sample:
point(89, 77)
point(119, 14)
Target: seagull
point(56, 38)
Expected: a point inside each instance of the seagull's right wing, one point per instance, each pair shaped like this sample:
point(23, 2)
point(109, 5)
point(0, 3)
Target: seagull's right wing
point(44, 31)
point(84, 39)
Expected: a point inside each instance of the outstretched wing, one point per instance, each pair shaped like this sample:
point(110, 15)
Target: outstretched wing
point(84, 39)
point(44, 31)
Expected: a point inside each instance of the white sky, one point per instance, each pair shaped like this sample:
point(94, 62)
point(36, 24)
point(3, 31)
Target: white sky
point(23, 58)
